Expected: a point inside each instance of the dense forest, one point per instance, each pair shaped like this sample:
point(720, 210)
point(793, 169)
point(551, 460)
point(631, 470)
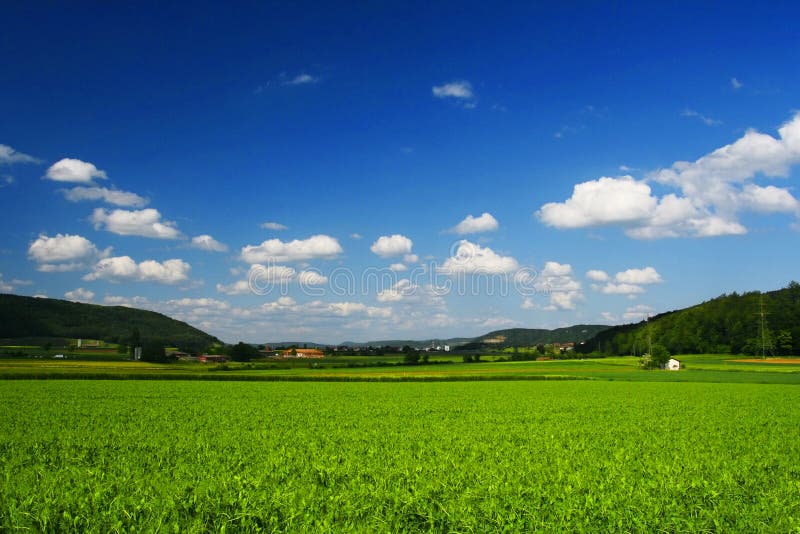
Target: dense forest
point(27, 317)
point(729, 324)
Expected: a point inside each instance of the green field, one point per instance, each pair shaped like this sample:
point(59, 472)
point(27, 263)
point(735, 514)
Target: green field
point(585, 456)
point(699, 368)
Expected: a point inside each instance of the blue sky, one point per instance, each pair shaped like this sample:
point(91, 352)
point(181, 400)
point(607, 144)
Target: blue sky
point(274, 172)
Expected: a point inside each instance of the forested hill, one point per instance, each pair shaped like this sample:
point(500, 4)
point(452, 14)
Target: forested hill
point(22, 317)
point(529, 337)
point(726, 324)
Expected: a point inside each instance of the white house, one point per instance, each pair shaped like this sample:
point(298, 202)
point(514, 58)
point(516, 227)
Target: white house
point(672, 365)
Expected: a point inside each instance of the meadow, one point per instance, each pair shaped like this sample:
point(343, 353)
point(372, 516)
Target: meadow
point(475, 456)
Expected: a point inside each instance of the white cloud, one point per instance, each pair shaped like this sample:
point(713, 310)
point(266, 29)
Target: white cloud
point(708, 121)
point(459, 89)
point(74, 170)
point(769, 199)
point(144, 223)
point(80, 295)
point(301, 79)
point(528, 304)
point(612, 288)
point(645, 276)
point(4, 286)
point(736, 84)
point(601, 202)
point(398, 267)
point(124, 268)
point(597, 276)
point(628, 282)
point(63, 252)
point(475, 225)
point(472, 258)
point(10, 156)
point(498, 323)
point(713, 188)
point(318, 308)
point(206, 242)
point(608, 316)
point(638, 312)
point(355, 235)
point(277, 251)
point(557, 281)
point(394, 245)
point(274, 226)
point(311, 278)
point(202, 302)
point(110, 196)
point(410, 258)
point(240, 287)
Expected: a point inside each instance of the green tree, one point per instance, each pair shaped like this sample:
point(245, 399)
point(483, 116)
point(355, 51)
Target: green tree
point(153, 351)
point(242, 352)
point(411, 358)
point(656, 358)
point(784, 342)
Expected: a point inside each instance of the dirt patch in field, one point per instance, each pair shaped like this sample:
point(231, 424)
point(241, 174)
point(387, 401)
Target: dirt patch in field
point(795, 361)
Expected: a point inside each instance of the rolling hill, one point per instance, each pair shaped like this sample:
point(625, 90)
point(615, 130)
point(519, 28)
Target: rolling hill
point(28, 317)
point(727, 324)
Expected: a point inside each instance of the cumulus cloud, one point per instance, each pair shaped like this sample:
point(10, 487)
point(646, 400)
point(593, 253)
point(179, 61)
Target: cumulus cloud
point(74, 170)
point(557, 281)
point(288, 305)
point(125, 269)
point(144, 223)
point(398, 267)
point(311, 278)
point(458, 89)
point(629, 282)
point(9, 156)
point(597, 276)
point(410, 258)
point(645, 276)
point(600, 202)
point(109, 196)
point(638, 312)
point(476, 225)
point(206, 242)
point(240, 287)
point(79, 295)
point(262, 279)
point(471, 258)
point(63, 252)
point(612, 288)
point(393, 245)
point(277, 251)
point(714, 189)
point(274, 226)
point(404, 290)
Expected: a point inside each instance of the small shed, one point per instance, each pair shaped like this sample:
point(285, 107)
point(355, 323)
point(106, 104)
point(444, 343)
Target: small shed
point(672, 365)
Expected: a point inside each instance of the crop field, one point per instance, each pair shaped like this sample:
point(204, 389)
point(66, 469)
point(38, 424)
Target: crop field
point(699, 368)
point(580, 456)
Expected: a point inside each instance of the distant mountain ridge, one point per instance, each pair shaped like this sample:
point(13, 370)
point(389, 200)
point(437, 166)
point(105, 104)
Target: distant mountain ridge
point(29, 317)
point(497, 339)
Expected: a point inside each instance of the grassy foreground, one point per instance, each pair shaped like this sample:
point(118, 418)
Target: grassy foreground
point(584, 456)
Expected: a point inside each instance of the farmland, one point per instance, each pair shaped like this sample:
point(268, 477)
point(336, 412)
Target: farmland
point(592, 455)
